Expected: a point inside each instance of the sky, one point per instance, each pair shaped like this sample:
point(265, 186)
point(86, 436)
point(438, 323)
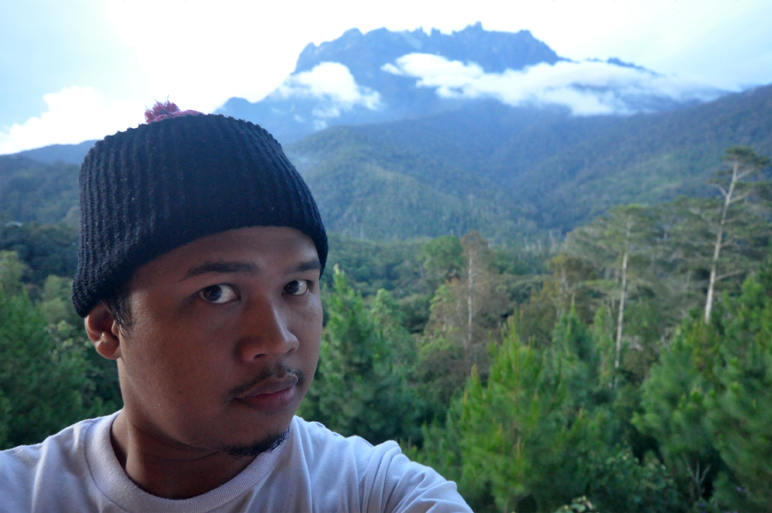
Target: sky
point(73, 70)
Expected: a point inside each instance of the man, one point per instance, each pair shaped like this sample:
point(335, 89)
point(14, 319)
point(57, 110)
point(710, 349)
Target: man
point(200, 256)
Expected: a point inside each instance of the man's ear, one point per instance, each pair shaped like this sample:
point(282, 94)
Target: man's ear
point(103, 332)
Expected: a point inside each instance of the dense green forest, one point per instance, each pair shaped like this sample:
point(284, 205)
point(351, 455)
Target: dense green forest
point(625, 367)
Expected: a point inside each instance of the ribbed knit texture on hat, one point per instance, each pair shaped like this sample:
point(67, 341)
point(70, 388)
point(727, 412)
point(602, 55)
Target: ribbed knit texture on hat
point(151, 189)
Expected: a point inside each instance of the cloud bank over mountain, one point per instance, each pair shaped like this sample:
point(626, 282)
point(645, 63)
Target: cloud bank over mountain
point(585, 87)
point(74, 114)
point(333, 86)
point(386, 76)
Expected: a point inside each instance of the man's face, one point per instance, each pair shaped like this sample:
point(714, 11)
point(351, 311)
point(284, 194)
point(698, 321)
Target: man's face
point(224, 339)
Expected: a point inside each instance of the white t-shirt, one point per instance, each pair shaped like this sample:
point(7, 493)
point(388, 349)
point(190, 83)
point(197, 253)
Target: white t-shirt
point(313, 470)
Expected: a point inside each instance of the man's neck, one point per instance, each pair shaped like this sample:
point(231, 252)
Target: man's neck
point(168, 471)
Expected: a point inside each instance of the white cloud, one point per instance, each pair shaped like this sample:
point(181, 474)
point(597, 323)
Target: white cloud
point(585, 87)
point(333, 83)
point(75, 114)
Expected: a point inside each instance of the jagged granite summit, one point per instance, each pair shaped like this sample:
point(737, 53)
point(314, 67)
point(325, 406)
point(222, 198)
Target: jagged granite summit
point(387, 76)
point(365, 54)
point(375, 94)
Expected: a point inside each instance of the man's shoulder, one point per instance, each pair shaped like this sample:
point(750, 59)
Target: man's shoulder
point(317, 433)
point(379, 477)
point(67, 443)
point(318, 443)
point(55, 460)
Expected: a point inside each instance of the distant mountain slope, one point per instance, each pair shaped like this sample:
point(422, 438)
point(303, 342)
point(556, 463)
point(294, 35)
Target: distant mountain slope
point(35, 191)
point(369, 189)
point(467, 136)
point(67, 153)
point(643, 158)
point(12, 164)
point(509, 172)
point(524, 168)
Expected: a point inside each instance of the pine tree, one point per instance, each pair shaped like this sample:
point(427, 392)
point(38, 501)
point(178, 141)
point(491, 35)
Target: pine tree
point(537, 433)
point(442, 258)
point(505, 422)
point(360, 387)
point(674, 409)
point(465, 315)
point(41, 381)
point(739, 412)
point(12, 270)
point(709, 398)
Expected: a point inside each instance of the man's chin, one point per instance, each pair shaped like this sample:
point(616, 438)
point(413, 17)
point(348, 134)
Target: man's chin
point(257, 448)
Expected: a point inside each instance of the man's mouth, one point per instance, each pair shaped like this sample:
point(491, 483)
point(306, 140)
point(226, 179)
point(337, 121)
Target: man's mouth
point(272, 393)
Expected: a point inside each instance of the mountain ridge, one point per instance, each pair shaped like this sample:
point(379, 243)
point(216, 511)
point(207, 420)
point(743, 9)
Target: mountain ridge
point(508, 172)
point(557, 172)
point(384, 76)
point(494, 51)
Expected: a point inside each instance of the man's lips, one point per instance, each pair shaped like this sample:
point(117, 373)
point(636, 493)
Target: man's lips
point(271, 386)
point(273, 394)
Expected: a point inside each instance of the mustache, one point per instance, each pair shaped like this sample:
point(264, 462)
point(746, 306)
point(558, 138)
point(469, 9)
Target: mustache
point(274, 372)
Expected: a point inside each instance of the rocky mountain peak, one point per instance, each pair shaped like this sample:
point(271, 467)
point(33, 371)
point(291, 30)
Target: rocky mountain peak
point(382, 76)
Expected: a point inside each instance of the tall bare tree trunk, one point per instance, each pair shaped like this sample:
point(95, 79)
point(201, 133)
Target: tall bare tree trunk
point(622, 295)
point(717, 246)
point(469, 303)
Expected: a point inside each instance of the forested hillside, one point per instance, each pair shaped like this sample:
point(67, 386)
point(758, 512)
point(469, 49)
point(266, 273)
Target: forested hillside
point(513, 171)
point(33, 191)
point(67, 153)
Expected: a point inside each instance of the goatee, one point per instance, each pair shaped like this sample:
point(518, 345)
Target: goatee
point(257, 448)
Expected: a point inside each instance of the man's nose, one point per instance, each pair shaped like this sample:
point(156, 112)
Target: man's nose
point(266, 330)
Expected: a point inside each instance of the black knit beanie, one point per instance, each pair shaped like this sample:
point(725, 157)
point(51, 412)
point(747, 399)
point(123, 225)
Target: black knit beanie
point(151, 189)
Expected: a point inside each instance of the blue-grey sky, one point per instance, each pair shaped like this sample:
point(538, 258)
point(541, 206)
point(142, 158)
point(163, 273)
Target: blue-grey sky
point(72, 70)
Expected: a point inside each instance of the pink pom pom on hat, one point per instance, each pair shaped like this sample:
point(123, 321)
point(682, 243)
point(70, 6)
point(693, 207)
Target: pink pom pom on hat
point(166, 110)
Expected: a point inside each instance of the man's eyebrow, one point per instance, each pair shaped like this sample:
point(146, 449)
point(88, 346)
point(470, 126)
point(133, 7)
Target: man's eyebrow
point(244, 268)
point(310, 265)
point(221, 267)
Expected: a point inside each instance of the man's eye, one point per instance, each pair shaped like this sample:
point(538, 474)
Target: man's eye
point(218, 294)
point(296, 287)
